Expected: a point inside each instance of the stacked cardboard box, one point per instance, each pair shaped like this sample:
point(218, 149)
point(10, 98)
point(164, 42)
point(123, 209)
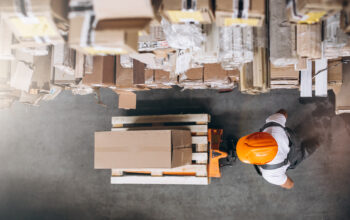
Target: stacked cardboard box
point(284, 77)
point(228, 13)
point(312, 11)
point(158, 149)
point(111, 27)
point(179, 11)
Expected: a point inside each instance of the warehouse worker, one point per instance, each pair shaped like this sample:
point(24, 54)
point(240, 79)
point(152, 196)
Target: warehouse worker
point(272, 150)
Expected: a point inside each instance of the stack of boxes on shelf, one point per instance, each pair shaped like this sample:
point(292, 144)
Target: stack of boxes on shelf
point(47, 46)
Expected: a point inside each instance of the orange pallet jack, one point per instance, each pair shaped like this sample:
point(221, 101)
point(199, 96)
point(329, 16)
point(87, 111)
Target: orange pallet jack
point(215, 138)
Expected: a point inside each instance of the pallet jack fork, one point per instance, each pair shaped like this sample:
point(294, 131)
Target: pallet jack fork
point(215, 140)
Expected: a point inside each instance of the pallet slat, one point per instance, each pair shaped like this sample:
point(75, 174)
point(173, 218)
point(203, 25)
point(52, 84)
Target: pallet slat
point(176, 180)
point(203, 129)
point(198, 118)
point(199, 170)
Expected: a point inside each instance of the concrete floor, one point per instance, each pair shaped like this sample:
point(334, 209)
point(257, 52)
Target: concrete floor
point(46, 161)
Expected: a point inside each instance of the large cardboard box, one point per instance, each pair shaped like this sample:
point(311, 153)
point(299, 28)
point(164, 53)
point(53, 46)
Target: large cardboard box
point(214, 73)
point(98, 42)
point(309, 42)
point(121, 14)
point(158, 149)
point(124, 76)
point(161, 76)
point(179, 11)
point(225, 10)
point(31, 72)
point(335, 71)
point(117, 25)
point(32, 22)
point(103, 72)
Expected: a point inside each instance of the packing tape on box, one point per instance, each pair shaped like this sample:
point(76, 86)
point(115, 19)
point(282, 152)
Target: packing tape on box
point(312, 17)
point(241, 21)
point(27, 25)
point(188, 13)
point(131, 149)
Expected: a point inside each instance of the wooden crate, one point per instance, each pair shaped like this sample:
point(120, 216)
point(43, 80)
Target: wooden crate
point(194, 174)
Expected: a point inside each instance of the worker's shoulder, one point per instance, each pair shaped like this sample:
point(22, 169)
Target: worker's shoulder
point(278, 118)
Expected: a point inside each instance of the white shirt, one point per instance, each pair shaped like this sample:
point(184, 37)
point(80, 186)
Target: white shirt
point(277, 176)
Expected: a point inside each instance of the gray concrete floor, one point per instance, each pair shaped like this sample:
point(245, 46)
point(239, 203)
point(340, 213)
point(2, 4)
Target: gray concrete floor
point(46, 161)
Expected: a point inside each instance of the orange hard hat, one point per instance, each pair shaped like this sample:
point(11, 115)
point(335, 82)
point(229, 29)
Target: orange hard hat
point(258, 148)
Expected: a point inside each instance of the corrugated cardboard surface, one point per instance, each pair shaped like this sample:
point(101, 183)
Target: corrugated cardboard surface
point(287, 72)
point(127, 100)
point(124, 76)
point(195, 74)
point(149, 76)
point(161, 76)
point(177, 4)
point(138, 72)
point(123, 14)
point(214, 73)
point(158, 149)
point(103, 71)
point(309, 40)
point(204, 7)
point(335, 71)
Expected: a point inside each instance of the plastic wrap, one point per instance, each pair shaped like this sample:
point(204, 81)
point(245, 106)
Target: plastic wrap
point(183, 36)
point(334, 38)
point(236, 46)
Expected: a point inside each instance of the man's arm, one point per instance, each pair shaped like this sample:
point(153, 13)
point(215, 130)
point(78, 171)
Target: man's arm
point(288, 184)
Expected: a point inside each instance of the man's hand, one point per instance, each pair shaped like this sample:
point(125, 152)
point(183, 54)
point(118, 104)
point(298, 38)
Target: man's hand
point(288, 184)
point(283, 112)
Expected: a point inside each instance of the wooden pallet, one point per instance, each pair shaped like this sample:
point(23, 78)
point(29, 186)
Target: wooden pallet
point(193, 174)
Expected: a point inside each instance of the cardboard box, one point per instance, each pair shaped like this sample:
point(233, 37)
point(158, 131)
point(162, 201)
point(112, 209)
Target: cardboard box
point(32, 22)
point(335, 71)
point(309, 42)
point(161, 76)
point(149, 76)
point(124, 76)
point(31, 72)
point(98, 42)
point(158, 149)
point(215, 73)
point(117, 25)
point(121, 14)
point(103, 72)
point(225, 9)
point(192, 75)
point(127, 100)
point(286, 72)
point(179, 11)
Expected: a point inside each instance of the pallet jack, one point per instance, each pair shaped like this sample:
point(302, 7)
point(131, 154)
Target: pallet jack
point(215, 140)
